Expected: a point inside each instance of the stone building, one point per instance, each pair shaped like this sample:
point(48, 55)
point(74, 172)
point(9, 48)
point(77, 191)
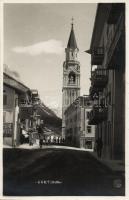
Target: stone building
point(107, 51)
point(71, 76)
point(14, 93)
point(18, 109)
point(78, 132)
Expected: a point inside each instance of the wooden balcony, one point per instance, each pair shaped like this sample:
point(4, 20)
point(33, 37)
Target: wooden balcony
point(25, 112)
point(25, 103)
point(35, 101)
point(99, 78)
point(97, 56)
point(97, 115)
point(93, 92)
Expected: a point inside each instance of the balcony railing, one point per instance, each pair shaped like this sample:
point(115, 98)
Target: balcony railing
point(25, 103)
point(93, 92)
point(26, 112)
point(112, 61)
point(97, 56)
point(97, 115)
point(99, 78)
point(35, 100)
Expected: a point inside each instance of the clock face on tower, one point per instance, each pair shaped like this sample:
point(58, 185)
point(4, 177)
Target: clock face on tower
point(70, 67)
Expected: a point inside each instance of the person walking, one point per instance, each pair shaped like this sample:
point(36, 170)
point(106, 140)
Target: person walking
point(58, 140)
point(99, 146)
point(41, 141)
point(40, 134)
point(30, 133)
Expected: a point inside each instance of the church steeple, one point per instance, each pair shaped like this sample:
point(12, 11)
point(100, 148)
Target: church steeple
point(71, 77)
point(72, 49)
point(72, 44)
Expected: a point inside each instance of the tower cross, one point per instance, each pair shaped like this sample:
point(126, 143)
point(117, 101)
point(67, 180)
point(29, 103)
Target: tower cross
point(72, 21)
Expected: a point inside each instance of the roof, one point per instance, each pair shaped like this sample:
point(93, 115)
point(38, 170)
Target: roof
point(11, 82)
point(102, 14)
point(72, 44)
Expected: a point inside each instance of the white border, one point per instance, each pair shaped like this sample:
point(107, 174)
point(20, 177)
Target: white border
point(126, 110)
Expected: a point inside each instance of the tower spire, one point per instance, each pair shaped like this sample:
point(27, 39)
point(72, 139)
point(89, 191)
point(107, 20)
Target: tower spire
point(72, 44)
point(72, 22)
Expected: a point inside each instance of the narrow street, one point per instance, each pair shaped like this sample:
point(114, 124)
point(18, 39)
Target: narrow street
point(57, 172)
point(64, 99)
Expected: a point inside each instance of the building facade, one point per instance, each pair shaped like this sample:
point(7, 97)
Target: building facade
point(14, 93)
point(107, 89)
point(18, 109)
point(71, 76)
point(78, 132)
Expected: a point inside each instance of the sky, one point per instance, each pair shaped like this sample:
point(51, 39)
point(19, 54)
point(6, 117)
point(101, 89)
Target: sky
point(35, 38)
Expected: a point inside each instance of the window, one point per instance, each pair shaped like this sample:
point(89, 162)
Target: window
point(4, 117)
point(102, 102)
point(88, 144)
point(16, 101)
point(88, 129)
point(71, 77)
point(72, 92)
point(5, 100)
point(109, 133)
point(109, 98)
point(88, 103)
point(87, 115)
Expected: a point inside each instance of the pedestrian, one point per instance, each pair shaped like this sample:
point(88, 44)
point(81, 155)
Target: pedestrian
point(39, 129)
point(99, 146)
point(21, 135)
point(41, 141)
point(54, 139)
point(58, 140)
point(40, 134)
point(31, 137)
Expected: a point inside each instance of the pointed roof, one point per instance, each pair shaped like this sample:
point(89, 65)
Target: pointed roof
point(72, 40)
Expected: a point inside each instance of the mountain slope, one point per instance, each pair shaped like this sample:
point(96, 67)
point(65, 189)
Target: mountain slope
point(51, 120)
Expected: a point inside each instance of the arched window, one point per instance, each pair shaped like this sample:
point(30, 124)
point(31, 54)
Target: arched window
point(72, 77)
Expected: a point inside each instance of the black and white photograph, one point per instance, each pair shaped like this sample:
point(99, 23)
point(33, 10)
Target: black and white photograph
point(64, 74)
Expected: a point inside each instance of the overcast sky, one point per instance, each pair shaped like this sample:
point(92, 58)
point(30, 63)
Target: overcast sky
point(35, 38)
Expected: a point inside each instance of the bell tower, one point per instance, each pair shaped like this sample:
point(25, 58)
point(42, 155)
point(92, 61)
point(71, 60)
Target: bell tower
point(71, 76)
